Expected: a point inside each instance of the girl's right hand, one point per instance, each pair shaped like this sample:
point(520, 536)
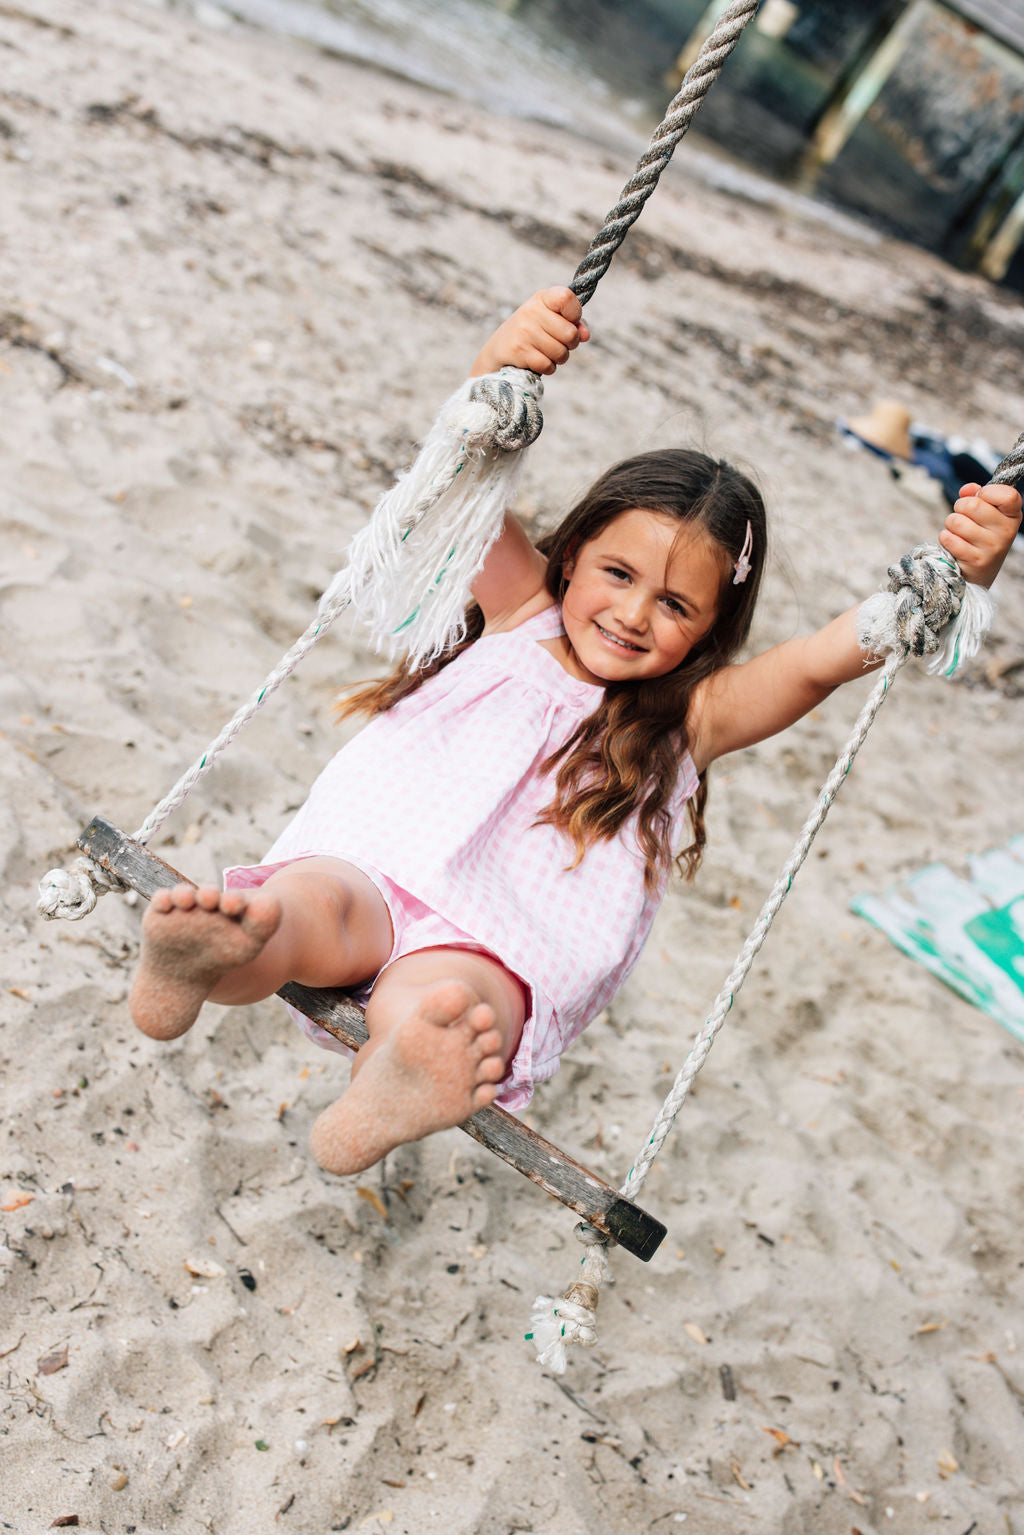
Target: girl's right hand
point(980, 529)
point(540, 335)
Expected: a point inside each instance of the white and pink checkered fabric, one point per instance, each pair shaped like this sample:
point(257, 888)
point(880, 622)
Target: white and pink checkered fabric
point(441, 794)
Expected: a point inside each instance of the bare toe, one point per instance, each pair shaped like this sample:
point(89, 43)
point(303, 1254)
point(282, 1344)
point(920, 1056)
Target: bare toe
point(447, 1003)
point(489, 1043)
point(260, 911)
point(190, 941)
point(434, 1069)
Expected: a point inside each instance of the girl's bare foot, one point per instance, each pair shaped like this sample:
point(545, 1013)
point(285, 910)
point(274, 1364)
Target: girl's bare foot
point(191, 939)
point(433, 1070)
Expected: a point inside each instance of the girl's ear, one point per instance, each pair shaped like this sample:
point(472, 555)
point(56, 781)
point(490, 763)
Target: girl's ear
point(569, 562)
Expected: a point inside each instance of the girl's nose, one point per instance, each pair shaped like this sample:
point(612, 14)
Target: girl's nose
point(630, 609)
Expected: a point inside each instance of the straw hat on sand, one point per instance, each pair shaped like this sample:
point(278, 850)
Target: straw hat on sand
point(886, 428)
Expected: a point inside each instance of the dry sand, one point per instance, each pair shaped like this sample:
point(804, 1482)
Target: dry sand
point(237, 279)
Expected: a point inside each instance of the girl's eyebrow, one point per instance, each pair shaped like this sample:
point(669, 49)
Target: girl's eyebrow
point(617, 559)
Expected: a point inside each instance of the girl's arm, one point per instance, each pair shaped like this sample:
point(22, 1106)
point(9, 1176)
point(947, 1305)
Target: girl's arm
point(540, 336)
point(743, 704)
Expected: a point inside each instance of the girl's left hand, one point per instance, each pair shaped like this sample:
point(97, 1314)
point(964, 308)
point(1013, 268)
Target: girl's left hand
point(980, 529)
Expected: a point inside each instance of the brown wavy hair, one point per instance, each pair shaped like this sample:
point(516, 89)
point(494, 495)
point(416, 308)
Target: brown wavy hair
point(623, 759)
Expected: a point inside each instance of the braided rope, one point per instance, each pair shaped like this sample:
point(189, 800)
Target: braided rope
point(514, 396)
point(682, 109)
point(72, 893)
point(512, 420)
point(928, 606)
point(501, 411)
point(247, 711)
point(923, 598)
point(759, 932)
point(557, 1324)
point(1012, 467)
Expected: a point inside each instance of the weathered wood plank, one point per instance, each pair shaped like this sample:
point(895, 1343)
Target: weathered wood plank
point(536, 1158)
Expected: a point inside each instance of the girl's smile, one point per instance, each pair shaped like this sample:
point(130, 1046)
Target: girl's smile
point(641, 594)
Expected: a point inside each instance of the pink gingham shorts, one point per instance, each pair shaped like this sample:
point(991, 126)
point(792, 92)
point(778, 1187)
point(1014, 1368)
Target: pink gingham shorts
point(415, 927)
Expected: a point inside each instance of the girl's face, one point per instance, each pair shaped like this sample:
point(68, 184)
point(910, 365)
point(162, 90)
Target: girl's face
point(641, 594)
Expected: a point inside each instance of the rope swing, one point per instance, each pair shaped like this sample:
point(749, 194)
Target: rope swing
point(408, 579)
point(410, 569)
point(928, 609)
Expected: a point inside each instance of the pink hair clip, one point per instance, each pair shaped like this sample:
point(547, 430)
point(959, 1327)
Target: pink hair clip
point(743, 566)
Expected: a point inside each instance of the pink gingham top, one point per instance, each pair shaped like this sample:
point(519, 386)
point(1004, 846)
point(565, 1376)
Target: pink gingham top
point(441, 794)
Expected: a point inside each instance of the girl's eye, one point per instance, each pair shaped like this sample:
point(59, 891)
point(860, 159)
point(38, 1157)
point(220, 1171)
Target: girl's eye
point(620, 575)
point(675, 606)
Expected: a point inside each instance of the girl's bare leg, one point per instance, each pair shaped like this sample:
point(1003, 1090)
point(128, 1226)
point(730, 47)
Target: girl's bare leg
point(443, 1025)
point(320, 921)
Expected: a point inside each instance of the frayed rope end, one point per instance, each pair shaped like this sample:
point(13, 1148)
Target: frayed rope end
point(73, 893)
point(964, 637)
point(557, 1323)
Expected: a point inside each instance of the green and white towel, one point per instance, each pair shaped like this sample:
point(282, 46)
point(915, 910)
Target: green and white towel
point(969, 932)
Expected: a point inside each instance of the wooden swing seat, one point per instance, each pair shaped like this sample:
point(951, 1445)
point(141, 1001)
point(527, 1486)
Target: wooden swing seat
point(529, 1153)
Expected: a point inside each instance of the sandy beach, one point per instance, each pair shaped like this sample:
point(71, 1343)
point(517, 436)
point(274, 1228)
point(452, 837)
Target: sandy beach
point(237, 278)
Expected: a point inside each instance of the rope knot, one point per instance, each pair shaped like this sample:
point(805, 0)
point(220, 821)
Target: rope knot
point(927, 610)
point(73, 893)
point(929, 593)
point(590, 1236)
point(557, 1323)
point(513, 397)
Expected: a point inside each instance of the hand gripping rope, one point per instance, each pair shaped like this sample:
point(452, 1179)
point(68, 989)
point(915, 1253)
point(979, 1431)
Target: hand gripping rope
point(928, 609)
point(409, 573)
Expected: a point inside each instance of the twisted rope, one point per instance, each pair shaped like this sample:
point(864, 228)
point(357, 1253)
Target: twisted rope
point(1012, 467)
point(500, 411)
point(376, 579)
point(927, 597)
point(759, 932)
point(73, 893)
point(513, 397)
point(682, 109)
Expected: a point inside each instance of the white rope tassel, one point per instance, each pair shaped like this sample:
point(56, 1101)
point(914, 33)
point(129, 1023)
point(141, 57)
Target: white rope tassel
point(557, 1323)
point(964, 637)
point(572, 1318)
point(409, 574)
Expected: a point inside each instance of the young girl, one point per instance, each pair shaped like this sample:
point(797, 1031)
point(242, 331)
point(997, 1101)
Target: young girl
point(483, 863)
